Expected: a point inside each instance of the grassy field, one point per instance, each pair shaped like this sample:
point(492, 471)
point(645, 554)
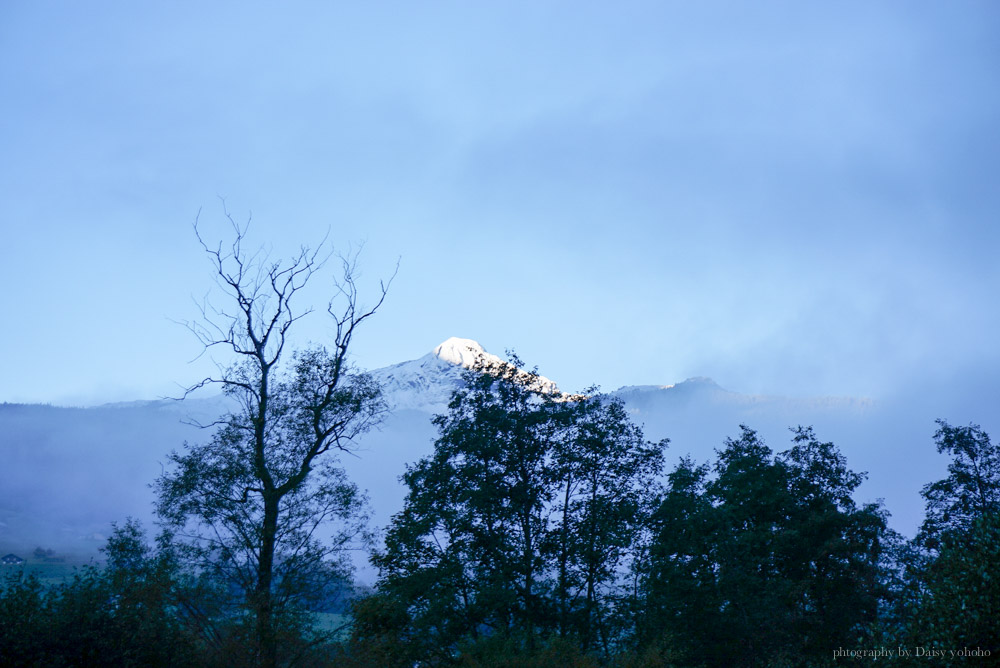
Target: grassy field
point(49, 572)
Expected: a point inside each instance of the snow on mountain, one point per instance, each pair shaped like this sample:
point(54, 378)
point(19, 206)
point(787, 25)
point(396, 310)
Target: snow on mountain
point(463, 352)
point(426, 384)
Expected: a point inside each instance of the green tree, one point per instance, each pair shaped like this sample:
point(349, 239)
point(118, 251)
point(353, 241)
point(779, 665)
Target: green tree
point(25, 621)
point(125, 613)
point(954, 586)
point(518, 528)
point(750, 495)
point(768, 563)
point(255, 506)
point(605, 483)
point(959, 605)
point(678, 601)
point(835, 548)
point(465, 552)
point(972, 488)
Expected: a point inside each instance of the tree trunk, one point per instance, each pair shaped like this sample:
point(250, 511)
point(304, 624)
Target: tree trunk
point(266, 637)
point(529, 612)
point(563, 561)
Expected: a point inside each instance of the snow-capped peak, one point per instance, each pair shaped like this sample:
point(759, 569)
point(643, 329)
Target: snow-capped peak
point(463, 352)
point(427, 383)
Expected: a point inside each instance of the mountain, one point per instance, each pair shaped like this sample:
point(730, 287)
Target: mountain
point(427, 383)
point(67, 473)
point(693, 410)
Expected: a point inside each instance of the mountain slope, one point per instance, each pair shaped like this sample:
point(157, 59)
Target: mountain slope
point(67, 473)
point(427, 383)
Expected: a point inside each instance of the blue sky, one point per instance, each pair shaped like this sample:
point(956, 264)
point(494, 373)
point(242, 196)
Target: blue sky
point(792, 198)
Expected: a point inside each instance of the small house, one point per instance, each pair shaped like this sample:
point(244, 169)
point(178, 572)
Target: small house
point(11, 560)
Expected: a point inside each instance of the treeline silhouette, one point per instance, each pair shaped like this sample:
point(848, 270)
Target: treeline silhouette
point(545, 530)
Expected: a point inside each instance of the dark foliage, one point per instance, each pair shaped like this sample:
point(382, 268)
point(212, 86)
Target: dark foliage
point(518, 529)
point(951, 586)
point(768, 563)
point(125, 614)
point(539, 533)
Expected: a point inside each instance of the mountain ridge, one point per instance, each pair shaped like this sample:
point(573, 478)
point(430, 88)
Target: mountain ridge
point(69, 471)
point(426, 383)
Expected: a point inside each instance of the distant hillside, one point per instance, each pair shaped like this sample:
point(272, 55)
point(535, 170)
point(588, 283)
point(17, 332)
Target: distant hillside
point(67, 473)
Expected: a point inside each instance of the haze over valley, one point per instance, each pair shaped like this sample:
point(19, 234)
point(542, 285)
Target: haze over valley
point(69, 472)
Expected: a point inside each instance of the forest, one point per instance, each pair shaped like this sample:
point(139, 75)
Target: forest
point(544, 529)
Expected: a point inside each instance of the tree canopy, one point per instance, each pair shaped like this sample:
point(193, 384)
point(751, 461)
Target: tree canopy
point(522, 524)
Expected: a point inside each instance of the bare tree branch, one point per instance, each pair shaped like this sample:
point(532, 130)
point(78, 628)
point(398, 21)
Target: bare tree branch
point(252, 501)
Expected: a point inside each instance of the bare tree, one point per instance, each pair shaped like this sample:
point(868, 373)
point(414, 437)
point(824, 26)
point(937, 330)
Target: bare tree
point(251, 505)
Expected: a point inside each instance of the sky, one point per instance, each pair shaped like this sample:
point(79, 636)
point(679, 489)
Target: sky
point(791, 198)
